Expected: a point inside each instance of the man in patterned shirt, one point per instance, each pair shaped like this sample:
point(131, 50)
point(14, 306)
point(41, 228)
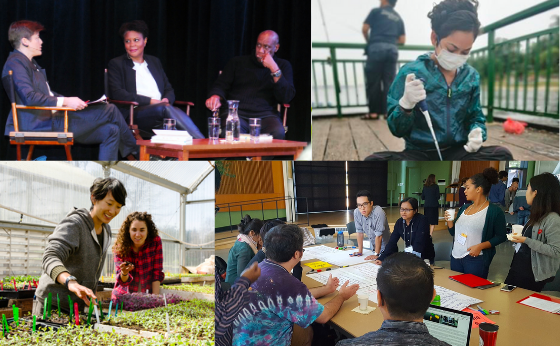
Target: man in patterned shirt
point(278, 300)
point(405, 290)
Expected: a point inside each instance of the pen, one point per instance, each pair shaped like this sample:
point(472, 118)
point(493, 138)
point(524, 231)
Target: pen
point(328, 269)
point(485, 311)
point(343, 266)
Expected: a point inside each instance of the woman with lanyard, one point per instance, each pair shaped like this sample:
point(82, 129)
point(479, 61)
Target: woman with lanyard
point(478, 227)
point(138, 256)
point(537, 249)
point(414, 229)
point(248, 243)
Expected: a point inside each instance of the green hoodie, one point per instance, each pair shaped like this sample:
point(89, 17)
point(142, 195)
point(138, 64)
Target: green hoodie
point(455, 110)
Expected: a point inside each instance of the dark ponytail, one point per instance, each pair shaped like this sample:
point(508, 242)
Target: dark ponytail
point(247, 225)
point(486, 179)
point(547, 199)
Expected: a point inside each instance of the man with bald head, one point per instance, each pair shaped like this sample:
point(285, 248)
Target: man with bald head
point(260, 82)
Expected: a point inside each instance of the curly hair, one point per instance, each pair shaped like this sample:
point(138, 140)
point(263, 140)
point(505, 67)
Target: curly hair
point(124, 243)
point(455, 15)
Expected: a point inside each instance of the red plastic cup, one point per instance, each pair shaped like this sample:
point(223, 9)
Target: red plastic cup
point(488, 334)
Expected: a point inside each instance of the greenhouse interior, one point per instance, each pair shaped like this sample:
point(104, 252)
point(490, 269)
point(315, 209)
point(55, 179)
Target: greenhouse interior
point(47, 211)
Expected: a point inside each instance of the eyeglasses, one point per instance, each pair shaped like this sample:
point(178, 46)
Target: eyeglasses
point(265, 47)
point(403, 210)
point(363, 205)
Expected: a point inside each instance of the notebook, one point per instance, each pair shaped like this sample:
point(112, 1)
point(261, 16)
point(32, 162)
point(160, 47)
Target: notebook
point(470, 280)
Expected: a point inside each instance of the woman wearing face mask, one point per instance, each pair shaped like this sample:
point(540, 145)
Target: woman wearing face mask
point(451, 89)
point(75, 251)
point(139, 77)
point(414, 229)
point(537, 252)
point(245, 248)
point(138, 256)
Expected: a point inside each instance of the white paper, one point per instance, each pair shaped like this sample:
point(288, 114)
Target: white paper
point(542, 304)
point(454, 300)
point(364, 275)
point(102, 99)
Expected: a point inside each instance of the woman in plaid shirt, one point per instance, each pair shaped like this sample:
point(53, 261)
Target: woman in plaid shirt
point(138, 256)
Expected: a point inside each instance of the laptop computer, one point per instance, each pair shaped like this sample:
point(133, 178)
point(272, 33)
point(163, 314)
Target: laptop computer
point(451, 326)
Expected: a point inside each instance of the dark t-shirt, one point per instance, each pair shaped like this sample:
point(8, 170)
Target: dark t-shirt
point(385, 25)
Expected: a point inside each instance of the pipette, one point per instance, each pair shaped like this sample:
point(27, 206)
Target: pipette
point(424, 109)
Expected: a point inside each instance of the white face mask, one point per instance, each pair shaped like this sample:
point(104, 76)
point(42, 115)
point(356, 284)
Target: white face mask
point(451, 61)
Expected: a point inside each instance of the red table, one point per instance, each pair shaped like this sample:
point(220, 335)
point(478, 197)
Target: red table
point(204, 148)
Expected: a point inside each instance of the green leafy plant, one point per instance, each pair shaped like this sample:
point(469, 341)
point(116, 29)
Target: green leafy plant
point(209, 289)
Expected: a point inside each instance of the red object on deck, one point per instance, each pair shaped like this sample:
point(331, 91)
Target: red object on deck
point(513, 126)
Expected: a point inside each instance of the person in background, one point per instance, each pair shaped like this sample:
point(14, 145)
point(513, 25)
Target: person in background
point(521, 207)
point(245, 248)
point(138, 254)
point(261, 254)
point(537, 252)
point(462, 197)
point(77, 248)
point(282, 302)
point(383, 30)
point(413, 228)
point(140, 77)
point(498, 191)
point(430, 195)
point(405, 290)
point(229, 303)
point(371, 220)
point(478, 227)
point(510, 193)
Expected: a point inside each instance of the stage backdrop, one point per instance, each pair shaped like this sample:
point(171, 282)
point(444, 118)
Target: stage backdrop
point(193, 39)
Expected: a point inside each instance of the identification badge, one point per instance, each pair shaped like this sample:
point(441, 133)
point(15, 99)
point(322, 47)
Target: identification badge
point(462, 239)
point(517, 247)
point(408, 249)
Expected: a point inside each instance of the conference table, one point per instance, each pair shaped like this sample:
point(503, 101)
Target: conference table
point(206, 149)
point(518, 324)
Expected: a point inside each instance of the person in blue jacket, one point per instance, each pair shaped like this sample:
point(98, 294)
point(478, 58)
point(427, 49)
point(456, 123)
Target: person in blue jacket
point(414, 229)
point(451, 89)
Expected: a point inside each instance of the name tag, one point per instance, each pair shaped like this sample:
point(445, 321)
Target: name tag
point(462, 239)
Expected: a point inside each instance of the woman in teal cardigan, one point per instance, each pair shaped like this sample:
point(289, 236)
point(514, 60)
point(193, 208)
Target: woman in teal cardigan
point(478, 227)
point(247, 244)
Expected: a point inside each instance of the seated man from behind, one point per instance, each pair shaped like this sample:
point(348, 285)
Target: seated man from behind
point(405, 290)
point(279, 300)
point(259, 82)
point(99, 124)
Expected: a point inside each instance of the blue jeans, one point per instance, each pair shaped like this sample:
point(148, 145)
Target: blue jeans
point(470, 265)
point(523, 216)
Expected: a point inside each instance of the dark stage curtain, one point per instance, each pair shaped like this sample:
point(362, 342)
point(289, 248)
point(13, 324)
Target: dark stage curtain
point(323, 183)
point(193, 39)
point(371, 176)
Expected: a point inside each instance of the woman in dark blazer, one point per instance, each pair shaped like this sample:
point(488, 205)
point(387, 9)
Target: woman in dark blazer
point(139, 77)
point(430, 195)
point(414, 229)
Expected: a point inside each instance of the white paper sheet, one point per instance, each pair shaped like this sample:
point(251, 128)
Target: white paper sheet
point(333, 256)
point(542, 304)
point(454, 300)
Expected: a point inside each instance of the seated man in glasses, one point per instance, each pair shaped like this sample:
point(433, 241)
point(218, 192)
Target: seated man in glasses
point(371, 220)
point(259, 82)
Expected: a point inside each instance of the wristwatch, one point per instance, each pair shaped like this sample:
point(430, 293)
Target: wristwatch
point(277, 73)
point(70, 278)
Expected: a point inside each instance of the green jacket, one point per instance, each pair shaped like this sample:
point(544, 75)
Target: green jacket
point(239, 256)
point(454, 110)
point(545, 247)
point(494, 230)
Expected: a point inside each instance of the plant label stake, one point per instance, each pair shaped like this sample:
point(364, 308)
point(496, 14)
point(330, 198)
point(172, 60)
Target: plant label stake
point(167, 321)
point(109, 314)
point(16, 314)
point(90, 312)
point(1, 283)
point(71, 308)
point(15, 287)
point(49, 308)
point(5, 323)
point(100, 310)
point(58, 303)
point(76, 313)
point(96, 313)
point(45, 310)
point(30, 287)
point(34, 322)
point(116, 309)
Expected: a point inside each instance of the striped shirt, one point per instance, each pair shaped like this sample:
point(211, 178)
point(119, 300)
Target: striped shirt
point(228, 306)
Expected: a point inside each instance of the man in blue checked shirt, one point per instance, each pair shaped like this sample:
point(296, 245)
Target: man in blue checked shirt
point(371, 220)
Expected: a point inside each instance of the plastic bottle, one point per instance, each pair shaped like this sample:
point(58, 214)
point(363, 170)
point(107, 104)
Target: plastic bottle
point(340, 239)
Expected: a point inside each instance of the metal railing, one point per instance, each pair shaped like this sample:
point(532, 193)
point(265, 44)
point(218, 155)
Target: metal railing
point(504, 67)
point(262, 201)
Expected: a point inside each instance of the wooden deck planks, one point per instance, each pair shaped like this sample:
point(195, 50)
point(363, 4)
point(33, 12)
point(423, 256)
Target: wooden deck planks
point(340, 143)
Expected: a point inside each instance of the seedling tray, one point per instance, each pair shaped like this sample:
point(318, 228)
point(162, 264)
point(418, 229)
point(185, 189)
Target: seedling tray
point(20, 294)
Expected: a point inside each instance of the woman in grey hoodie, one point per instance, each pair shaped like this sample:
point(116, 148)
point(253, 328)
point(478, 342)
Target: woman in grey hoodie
point(75, 251)
point(537, 252)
